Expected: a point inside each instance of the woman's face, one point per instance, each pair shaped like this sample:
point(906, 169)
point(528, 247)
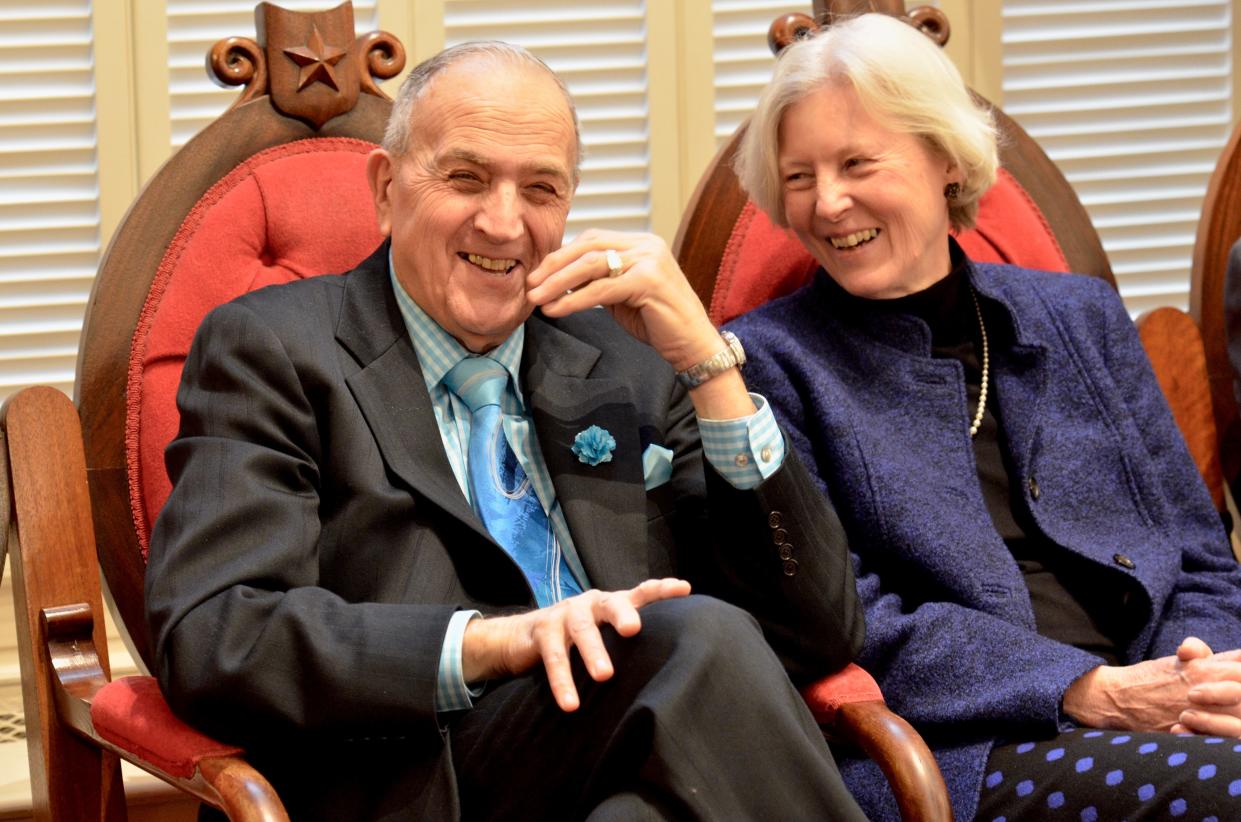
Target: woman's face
point(867, 202)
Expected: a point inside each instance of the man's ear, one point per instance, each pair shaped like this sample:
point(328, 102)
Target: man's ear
point(379, 174)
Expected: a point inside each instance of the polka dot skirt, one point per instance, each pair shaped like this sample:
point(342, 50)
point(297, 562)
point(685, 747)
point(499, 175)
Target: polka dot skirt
point(1091, 775)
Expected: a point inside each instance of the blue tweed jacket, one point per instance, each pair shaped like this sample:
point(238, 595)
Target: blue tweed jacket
point(1094, 454)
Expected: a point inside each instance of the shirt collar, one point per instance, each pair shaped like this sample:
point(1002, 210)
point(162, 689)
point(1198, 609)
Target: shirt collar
point(438, 351)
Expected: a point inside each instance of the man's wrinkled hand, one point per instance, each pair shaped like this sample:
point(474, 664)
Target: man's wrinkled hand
point(512, 645)
point(649, 296)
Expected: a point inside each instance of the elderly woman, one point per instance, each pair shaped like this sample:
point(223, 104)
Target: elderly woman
point(1044, 577)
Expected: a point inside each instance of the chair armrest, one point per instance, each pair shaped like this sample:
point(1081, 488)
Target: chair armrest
point(131, 718)
point(1174, 345)
point(850, 706)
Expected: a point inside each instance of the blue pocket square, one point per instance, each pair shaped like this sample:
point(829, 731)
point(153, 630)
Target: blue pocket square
point(656, 465)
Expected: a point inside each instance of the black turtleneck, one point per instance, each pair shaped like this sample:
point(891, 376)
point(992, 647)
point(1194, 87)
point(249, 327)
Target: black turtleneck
point(1067, 593)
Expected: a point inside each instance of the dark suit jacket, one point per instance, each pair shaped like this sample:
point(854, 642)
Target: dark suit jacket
point(315, 544)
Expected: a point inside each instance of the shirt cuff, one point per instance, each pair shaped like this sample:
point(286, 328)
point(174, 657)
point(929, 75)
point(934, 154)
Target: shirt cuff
point(747, 450)
point(451, 692)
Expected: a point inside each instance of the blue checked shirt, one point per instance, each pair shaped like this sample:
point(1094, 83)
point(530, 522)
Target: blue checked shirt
point(744, 451)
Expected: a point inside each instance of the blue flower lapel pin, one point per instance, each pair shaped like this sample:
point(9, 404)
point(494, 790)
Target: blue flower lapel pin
point(594, 445)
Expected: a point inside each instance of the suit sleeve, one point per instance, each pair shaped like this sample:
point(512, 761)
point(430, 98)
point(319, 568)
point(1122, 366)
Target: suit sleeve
point(1205, 600)
point(807, 604)
point(246, 639)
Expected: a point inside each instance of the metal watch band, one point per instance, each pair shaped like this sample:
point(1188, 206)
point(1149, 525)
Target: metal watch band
point(731, 356)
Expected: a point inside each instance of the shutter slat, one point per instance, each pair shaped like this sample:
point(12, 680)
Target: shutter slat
point(743, 62)
point(49, 189)
point(1133, 100)
point(599, 50)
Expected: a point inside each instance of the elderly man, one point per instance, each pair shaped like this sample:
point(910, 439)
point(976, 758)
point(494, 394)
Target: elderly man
point(434, 522)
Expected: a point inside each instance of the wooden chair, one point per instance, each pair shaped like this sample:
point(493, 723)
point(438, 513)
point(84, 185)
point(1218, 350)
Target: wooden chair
point(272, 190)
point(1218, 228)
point(737, 259)
point(1031, 217)
point(719, 211)
point(289, 154)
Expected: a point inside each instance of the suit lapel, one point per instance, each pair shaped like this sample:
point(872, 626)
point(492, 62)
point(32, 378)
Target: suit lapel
point(604, 505)
point(390, 391)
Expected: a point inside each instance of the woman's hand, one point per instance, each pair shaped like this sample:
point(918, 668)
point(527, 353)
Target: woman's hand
point(1195, 690)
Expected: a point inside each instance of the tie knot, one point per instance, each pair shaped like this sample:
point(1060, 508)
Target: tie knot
point(478, 381)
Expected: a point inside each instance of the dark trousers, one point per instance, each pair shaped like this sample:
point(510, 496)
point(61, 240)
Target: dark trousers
point(698, 722)
point(1091, 775)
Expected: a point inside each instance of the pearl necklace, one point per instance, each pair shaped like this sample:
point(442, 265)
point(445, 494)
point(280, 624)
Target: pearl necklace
point(986, 363)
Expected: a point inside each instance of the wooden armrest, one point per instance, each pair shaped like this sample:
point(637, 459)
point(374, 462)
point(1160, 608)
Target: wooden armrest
point(1174, 345)
point(901, 754)
point(74, 740)
point(850, 707)
point(138, 726)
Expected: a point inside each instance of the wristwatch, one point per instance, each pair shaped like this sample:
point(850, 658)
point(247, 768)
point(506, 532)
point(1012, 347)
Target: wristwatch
point(731, 356)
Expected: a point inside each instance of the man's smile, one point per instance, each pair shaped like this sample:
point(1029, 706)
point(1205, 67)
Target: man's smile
point(493, 265)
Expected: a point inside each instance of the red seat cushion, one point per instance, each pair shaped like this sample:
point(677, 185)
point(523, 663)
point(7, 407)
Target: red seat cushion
point(131, 714)
point(850, 684)
point(762, 262)
point(292, 211)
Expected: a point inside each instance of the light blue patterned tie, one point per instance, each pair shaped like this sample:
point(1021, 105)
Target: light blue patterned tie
point(502, 494)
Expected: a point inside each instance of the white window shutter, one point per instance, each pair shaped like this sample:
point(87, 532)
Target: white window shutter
point(194, 26)
point(49, 189)
point(599, 49)
point(743, 61)
point(1132, 99)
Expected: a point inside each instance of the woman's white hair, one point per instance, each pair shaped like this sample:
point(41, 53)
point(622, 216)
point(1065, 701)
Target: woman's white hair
point(902, 79)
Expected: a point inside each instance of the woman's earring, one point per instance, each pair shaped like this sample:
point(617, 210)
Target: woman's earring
point(952, 191)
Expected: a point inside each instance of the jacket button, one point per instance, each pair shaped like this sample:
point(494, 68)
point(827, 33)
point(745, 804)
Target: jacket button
point(775, 519)
point(786, 551)
point(1123, 561)
point(1032, 484)
point(779, 536)
point(790, 567)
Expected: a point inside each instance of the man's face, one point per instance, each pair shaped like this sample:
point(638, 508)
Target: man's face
point(480, 196)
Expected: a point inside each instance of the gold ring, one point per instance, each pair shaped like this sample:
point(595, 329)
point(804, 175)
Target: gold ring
point(615, 266)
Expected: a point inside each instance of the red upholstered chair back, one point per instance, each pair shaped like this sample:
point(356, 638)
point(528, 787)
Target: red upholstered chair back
point(272, 191)
point(292, 211)
point(736, 259)
point(762, 261)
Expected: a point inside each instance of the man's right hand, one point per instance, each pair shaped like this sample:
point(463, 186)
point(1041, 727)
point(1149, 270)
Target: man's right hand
point(511, 645)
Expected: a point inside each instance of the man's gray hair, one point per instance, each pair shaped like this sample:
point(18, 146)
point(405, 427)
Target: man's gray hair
point(396, 135)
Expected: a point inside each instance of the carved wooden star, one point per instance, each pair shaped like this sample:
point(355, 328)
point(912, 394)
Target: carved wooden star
point(316, 59)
